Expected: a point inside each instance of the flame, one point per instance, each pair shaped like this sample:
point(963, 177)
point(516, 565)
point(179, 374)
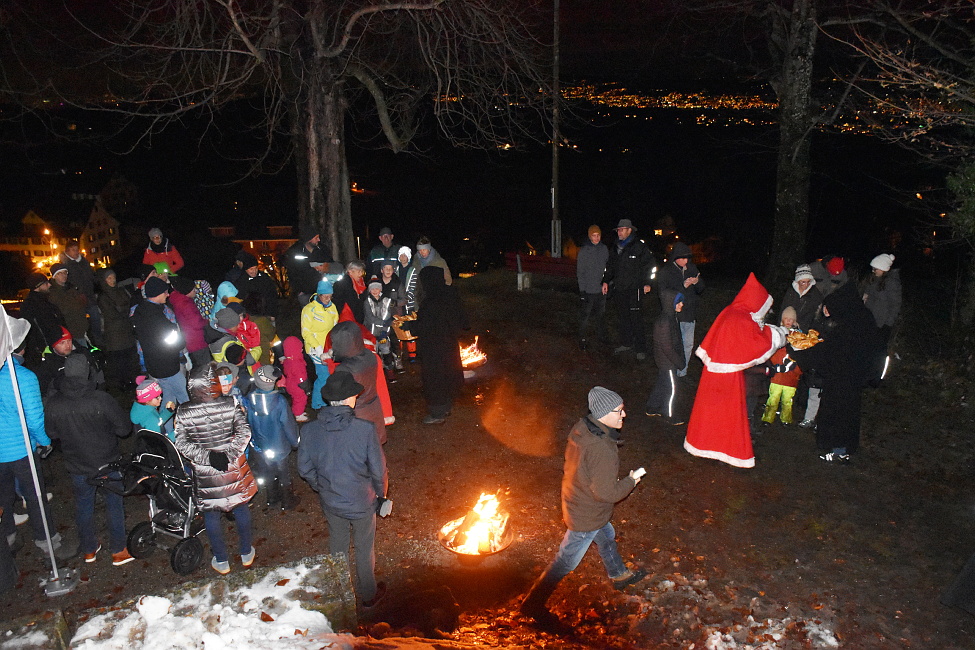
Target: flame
point(480, 531)
point(472, 355)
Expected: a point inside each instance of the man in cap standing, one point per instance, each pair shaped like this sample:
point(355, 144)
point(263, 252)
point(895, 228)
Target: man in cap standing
point(254, 280)
point(630, 270)
point(385, 250)
point(71, 302)
point(160, 342)
point(341, 458)
point(81, 275)
point(590, 488)
point(680, 275)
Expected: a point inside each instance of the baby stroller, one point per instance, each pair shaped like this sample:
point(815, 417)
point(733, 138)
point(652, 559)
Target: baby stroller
point(156, 470)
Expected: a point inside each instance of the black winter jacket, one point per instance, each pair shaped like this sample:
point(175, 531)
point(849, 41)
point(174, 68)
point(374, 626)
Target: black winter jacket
point(88, 422)
point(263, 285)
point(668, 346)
point(161, 340)
point(629, 268)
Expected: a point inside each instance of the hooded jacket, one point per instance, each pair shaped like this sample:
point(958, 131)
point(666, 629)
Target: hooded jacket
point(317, 321)
point(352, 356)
point(273, 428)
point(190, 322)
point(213, 422)
point(88, 422)
point(672, 279)
point(590, 482)
point(45, 320)
point(668, 346)
point(341, 458)
point(164, 252)
point(114, 304)
point(12, 446)
point(806, 303)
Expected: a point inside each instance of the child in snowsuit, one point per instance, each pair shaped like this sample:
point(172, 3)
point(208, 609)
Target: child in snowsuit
point(295, 372)
point(146, 412)
point(782, 388)
point(379, 311)
point(274, 435)
point(668, 354)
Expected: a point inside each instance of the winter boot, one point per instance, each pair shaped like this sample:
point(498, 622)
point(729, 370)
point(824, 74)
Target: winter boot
point(534, 604)
point(769, 414)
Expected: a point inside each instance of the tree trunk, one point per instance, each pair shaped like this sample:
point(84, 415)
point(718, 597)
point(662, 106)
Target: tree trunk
point(324, 201)
point(795, 127)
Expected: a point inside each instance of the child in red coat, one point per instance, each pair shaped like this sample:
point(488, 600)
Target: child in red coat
point(295, 375)
point(783, 386)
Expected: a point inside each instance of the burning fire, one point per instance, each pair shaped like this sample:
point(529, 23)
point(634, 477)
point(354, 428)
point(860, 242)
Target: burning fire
point(481, 531)
point(472, 356)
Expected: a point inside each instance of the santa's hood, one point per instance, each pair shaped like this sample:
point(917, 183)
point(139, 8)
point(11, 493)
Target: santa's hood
point(737, 340)
point(346, 340)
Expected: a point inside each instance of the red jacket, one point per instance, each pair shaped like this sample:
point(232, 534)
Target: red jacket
point(190, 320)
point(790, 378)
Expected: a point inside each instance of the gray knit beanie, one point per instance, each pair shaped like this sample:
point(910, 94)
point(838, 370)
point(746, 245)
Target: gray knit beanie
point(602, 401)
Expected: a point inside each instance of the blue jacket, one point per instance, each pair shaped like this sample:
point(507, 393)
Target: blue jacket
point(341, 458)
point(144, 416)
point(273, 427)
point(11, 434)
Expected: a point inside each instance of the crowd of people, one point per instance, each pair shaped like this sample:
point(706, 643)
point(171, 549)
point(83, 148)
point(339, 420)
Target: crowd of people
point(210, 371)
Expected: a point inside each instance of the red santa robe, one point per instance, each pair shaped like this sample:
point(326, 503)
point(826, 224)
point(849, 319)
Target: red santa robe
point(718, 427)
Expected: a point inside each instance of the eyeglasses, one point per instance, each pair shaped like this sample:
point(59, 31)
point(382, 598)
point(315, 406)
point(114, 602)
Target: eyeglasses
point(619, 410)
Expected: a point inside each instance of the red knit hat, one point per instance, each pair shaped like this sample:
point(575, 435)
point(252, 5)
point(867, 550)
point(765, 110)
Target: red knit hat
point(835, 265)
point(65, 336)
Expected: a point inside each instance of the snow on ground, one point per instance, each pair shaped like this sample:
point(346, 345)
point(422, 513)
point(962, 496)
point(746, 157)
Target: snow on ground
point(262, 616)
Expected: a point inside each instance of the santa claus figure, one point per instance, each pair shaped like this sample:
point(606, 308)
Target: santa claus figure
point(737, 340)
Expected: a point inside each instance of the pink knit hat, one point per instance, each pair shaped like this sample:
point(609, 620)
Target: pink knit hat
point(147, 389)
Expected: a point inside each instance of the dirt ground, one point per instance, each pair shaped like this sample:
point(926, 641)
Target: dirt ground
point(793, 553)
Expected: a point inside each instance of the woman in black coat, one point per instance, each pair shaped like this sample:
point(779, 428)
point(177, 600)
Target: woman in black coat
point(844, 362)
point(439, 322)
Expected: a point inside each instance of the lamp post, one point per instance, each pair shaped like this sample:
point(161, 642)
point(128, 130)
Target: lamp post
point(556, 243)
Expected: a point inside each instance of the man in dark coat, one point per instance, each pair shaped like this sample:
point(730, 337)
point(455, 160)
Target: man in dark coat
point(844, 361)
point(439, 322)
point(71, 302)
point(252, 279)
point(386, 250)
point(81, 275)
point(590, 488)
point(44, 317)
point(590, 267)
point(630, 271)
point(302, 277)
point(160, 342)
point(680, 275)
point(341, 458)
point(89, 423)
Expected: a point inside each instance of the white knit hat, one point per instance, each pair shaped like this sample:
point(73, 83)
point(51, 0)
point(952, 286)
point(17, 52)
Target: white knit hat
point(883, 262)
point(804, 272)
point(602, 401)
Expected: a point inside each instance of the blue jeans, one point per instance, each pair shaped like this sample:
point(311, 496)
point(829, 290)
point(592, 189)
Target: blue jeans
point(321, 376)
point(574, 546)
point(214, 526)
point(687, 338)
point(84, 515)
point(173, 390)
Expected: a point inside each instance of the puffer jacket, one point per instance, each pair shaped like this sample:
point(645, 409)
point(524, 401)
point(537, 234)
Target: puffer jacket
point(212, 422)
point(11, 435)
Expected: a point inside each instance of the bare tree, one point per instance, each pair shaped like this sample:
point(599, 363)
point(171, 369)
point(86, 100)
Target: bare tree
point(474, 65)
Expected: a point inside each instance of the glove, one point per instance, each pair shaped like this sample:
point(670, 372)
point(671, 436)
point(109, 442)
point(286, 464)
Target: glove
point(44, 450)
point(219, 461)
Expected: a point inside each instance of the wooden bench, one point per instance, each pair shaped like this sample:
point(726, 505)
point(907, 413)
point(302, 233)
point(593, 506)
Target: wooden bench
point(558, 266)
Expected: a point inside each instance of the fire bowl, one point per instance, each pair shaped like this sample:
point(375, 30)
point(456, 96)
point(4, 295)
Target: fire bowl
point(473, 559)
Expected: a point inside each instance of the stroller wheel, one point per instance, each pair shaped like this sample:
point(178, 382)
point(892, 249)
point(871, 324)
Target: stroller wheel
point(142, 540)
point(186, 555)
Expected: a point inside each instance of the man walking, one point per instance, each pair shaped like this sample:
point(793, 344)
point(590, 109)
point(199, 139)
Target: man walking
point(630, 270)
point(680, 275)
point(590, 488)
point(341, 458)
point(590, 266)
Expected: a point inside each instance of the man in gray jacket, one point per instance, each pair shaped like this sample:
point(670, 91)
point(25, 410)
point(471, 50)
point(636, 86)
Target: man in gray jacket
point(590, 488)
point(590, 266)
point(341, 458)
